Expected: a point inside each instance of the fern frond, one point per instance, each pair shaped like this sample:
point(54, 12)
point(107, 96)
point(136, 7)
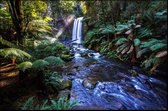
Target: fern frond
point(40, 64)
point(24, 65)
point(9, 52)
point(121, 41)
point(7, 43)
point(39, 26)
point(28, 104)
point(158, 46)
point(144, 32)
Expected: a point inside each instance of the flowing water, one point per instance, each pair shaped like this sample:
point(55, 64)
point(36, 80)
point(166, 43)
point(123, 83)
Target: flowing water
point(105, 83)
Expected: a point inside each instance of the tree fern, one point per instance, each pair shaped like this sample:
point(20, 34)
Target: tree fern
point(17, 53)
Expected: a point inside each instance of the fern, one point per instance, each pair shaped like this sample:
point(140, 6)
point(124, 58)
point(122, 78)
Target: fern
point(149, 43)
point(52, 60)
point(158, 46)
point(144, 32)
point(7, 43)
point(52, 79)
point(63, 104)
point(24, 65)
point(121, 41)
point(40, 64)
point(28, 104)
point(38, 26)
point(107, 29)
point(17, 53)
point(121, 26)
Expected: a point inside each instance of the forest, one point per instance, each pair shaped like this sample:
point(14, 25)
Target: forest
point(83, 54)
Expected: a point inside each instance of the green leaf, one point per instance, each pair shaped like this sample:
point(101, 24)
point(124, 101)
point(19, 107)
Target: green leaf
point(121, 41)
point(137, 42)
point(158, 46)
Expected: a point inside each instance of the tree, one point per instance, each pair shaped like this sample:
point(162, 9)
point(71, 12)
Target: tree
point(15, 9)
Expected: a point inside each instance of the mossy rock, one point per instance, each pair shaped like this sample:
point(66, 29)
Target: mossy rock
point(66, 84)
point(66, 57)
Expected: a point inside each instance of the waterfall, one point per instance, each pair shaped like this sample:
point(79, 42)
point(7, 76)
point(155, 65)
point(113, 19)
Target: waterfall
point(77, 31)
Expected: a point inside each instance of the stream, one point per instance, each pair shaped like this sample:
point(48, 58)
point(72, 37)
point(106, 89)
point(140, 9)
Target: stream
point(102, 83)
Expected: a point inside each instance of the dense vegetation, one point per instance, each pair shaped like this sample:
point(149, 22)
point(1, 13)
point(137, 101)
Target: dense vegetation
point(132, 31)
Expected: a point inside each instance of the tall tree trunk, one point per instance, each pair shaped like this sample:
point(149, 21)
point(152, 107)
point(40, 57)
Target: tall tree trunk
point(15, 8)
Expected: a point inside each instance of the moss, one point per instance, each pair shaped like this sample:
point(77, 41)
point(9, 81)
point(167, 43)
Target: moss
point(134, 72)
point(66, 57)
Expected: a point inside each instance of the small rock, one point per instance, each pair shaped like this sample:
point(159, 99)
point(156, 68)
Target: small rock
point(88, 84)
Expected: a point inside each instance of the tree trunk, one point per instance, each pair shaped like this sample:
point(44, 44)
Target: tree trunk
point(15, 9)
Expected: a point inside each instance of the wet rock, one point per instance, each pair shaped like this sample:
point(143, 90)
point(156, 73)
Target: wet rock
point(88, 84)
point(66, 84)
point(84, 54)
point(64, 94)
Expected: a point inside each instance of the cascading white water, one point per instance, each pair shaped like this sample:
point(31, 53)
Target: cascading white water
point(77, 31)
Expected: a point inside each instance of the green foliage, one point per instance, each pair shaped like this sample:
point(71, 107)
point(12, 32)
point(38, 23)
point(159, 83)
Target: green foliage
point(17, 53)
point(61, 104)
point(38, 26)
point(107, 29)
point(46, 49)
point(121, 41)
point(28, 104)
point(24, 65)
point(52, 60)
point(137, 42)
point(40, 64)
point(53, 80)
point(144, 32)
point(6, 43)
point(121, 26)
